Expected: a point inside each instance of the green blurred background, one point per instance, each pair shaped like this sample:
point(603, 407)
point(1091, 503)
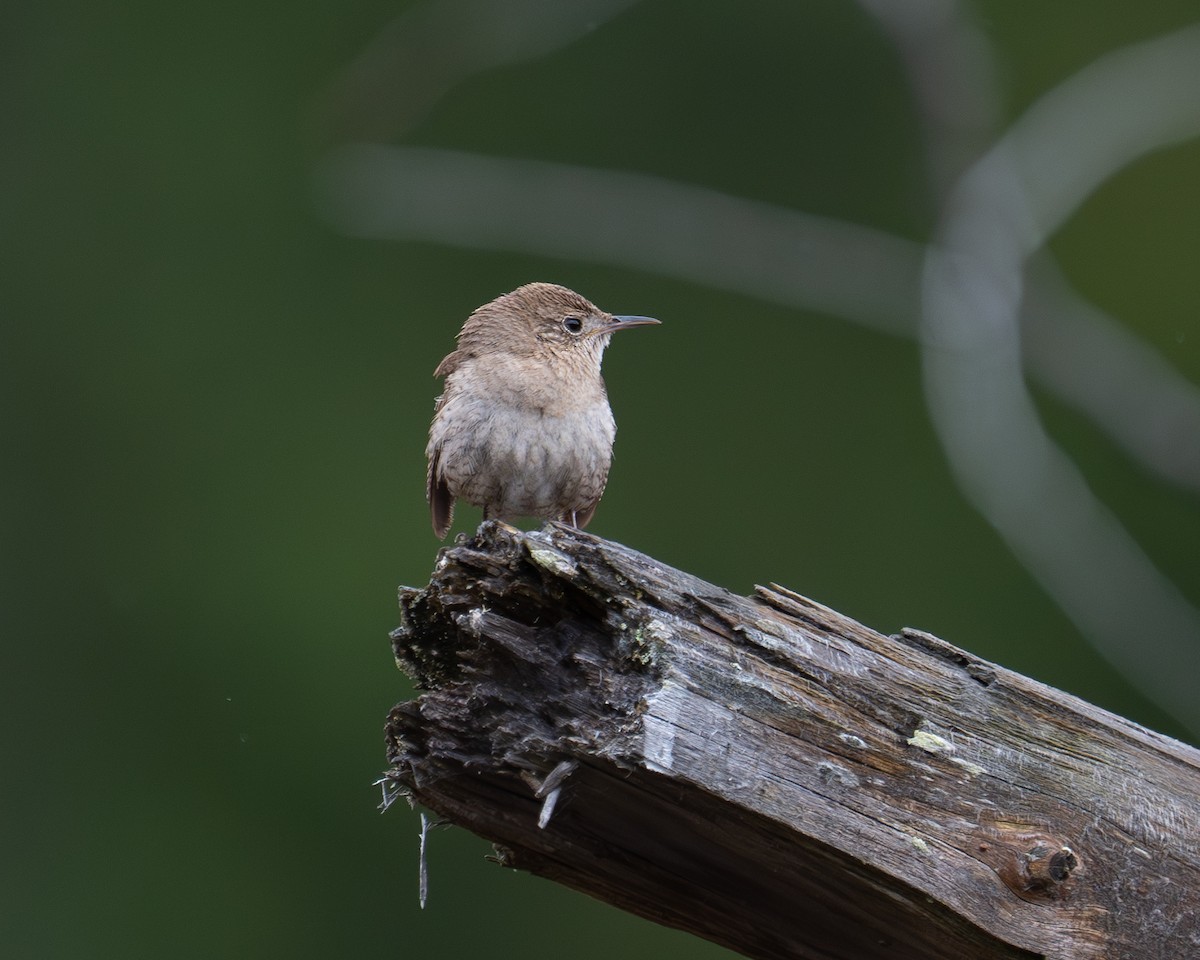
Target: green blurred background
point(215, 408)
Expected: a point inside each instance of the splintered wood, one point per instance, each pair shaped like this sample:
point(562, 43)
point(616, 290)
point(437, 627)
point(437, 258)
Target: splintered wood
point(773, 776)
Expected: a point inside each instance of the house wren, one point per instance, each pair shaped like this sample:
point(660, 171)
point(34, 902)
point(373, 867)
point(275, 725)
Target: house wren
point(523, 428)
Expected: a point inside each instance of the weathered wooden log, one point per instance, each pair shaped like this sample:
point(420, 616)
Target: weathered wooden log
point(773, 776)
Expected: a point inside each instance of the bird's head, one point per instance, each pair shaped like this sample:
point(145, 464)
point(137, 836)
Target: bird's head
point(546, 322)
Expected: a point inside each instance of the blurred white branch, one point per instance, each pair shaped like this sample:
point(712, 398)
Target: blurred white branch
point(952, 75)
point(1074, 348)
point(1097, 366)
point(628, 219)
point(433, 47)
point(1131, 102)
point(993, 219)
point(756, 249)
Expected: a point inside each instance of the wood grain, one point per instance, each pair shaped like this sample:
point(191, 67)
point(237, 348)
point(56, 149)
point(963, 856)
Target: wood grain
point(777, 778)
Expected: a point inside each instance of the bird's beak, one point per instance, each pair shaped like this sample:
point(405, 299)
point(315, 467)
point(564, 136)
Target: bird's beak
point(621, 323)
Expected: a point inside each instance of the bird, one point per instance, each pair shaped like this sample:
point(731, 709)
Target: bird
point(523, 427)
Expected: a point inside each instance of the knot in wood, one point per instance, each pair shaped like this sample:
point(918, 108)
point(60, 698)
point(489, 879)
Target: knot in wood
point(1043, 869)
point(1047, 866)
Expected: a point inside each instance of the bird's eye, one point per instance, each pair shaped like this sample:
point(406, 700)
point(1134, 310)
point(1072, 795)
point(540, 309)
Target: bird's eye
point(573, 325)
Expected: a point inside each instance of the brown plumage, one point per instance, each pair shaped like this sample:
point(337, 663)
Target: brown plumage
point(524, 428)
